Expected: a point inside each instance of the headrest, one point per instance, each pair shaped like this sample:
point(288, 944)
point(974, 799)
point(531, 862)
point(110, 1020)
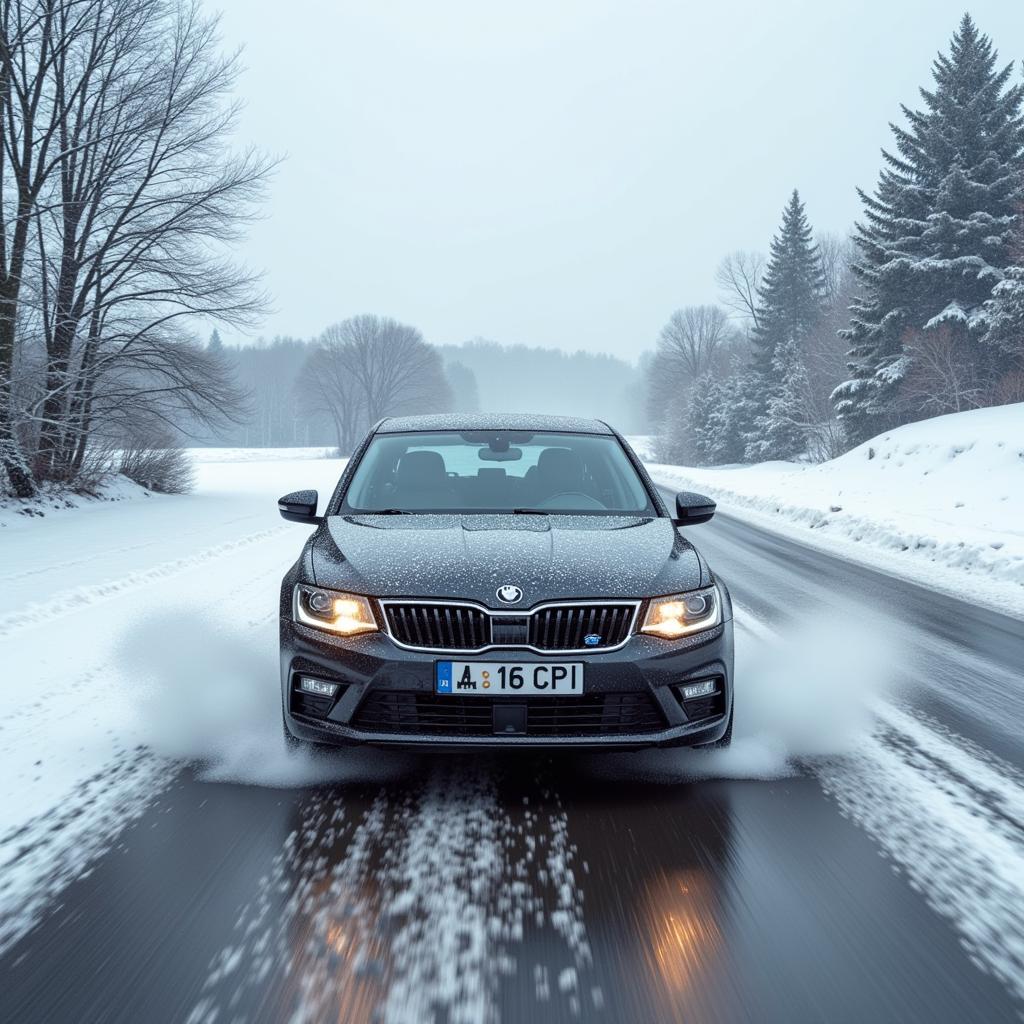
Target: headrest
point(420, 467)
point(560, 465)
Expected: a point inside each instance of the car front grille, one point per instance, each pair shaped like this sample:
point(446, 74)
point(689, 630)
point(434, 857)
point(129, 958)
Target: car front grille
point(555, 627)
point(427, 714)
point(455, 627)
point(560, 627)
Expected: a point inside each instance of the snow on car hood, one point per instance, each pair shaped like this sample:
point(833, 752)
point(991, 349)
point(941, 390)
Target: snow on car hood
point(470, 556)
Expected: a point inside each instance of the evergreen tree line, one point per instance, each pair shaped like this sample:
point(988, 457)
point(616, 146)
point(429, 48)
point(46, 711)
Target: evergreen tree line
point(927, 301)
point(751, 379)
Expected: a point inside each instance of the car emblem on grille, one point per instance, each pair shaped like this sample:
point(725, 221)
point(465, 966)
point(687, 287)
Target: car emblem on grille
point(509, 594)
point(592, 639)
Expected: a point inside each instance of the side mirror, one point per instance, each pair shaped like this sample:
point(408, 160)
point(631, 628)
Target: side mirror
point(693, 508)
point(299, 507)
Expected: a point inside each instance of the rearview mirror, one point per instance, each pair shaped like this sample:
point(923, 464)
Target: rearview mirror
point(299, 507)
point(693, 508)
point(505, 454)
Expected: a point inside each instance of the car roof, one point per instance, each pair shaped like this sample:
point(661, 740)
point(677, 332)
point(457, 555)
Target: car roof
point(492, 421)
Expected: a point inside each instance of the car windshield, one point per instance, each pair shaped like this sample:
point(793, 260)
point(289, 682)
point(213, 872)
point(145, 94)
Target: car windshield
point(487, 471)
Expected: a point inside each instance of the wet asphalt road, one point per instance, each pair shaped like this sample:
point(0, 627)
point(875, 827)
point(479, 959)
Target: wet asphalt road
point(540, 888)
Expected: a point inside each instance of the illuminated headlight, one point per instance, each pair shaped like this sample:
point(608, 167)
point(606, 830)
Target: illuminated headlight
point(682, 614)
point(347, 614)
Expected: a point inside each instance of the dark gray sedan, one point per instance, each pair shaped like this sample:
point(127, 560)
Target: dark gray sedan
point(502, 581)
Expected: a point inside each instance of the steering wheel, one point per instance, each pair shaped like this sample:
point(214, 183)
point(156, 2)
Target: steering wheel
point(579, 500)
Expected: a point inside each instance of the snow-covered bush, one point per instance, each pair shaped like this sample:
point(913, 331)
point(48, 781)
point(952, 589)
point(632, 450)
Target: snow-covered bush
point(159, 464)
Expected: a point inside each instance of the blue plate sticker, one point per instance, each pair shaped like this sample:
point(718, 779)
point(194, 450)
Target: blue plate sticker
point(444, 677)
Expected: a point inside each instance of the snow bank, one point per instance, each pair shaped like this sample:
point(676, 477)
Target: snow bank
point(940, 502)
point(57, 501)
point(226, 463)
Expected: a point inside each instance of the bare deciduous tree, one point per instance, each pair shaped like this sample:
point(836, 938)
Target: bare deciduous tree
point(328, 386)
point(32, 41)
point(835, 253)
point(693, 338)
point(368, 367)
point(692, 346)
point(133, 197)
point(942, 374)
point(739, 278)
point(824, 351)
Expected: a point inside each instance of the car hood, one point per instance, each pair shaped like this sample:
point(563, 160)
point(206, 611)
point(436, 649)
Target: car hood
point(469, 557)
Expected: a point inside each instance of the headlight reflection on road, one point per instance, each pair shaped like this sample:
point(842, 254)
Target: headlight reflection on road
point(685, 937)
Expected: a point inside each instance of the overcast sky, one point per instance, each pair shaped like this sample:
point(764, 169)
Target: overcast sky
point(561, 172)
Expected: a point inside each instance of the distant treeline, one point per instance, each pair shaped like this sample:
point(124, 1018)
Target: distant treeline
point(518, 378)
point(307, 393)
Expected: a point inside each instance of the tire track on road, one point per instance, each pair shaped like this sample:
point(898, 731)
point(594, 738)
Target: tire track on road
point(948, 814)
point(414, 912)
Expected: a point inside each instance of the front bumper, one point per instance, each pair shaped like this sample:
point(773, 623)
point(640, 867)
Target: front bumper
point(386, 695)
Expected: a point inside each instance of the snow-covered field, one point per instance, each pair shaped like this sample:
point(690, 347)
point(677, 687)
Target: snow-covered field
point(258, 454)
point(941, 502)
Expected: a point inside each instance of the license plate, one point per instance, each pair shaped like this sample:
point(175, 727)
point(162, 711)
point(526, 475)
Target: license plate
point(508, 678)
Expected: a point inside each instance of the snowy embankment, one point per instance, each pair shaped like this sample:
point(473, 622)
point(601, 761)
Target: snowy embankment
point(54, 501)
point(940, 502)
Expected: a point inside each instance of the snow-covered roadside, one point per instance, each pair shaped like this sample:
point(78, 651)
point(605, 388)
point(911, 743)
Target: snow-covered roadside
point(55, 501)
point(939, 502)
point(136, 635)
point(84, 545)
point(58, 502)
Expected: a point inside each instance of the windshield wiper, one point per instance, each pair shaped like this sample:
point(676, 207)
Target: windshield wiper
point(390, 512)
point(530, 512)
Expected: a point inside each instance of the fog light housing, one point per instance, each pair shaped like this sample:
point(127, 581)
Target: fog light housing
point(317, 687)
point(705, 688)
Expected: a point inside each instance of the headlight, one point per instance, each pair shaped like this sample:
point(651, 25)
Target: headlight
point(682, 614)
point(347, 614)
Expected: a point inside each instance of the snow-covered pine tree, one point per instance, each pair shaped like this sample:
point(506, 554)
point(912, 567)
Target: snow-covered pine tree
point(733, 418)
point(1005, 316)
point(703, 402)
point(791, 306)
point(215, 344)
point(781, 431)
point(790, 296)
point(936, 234)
